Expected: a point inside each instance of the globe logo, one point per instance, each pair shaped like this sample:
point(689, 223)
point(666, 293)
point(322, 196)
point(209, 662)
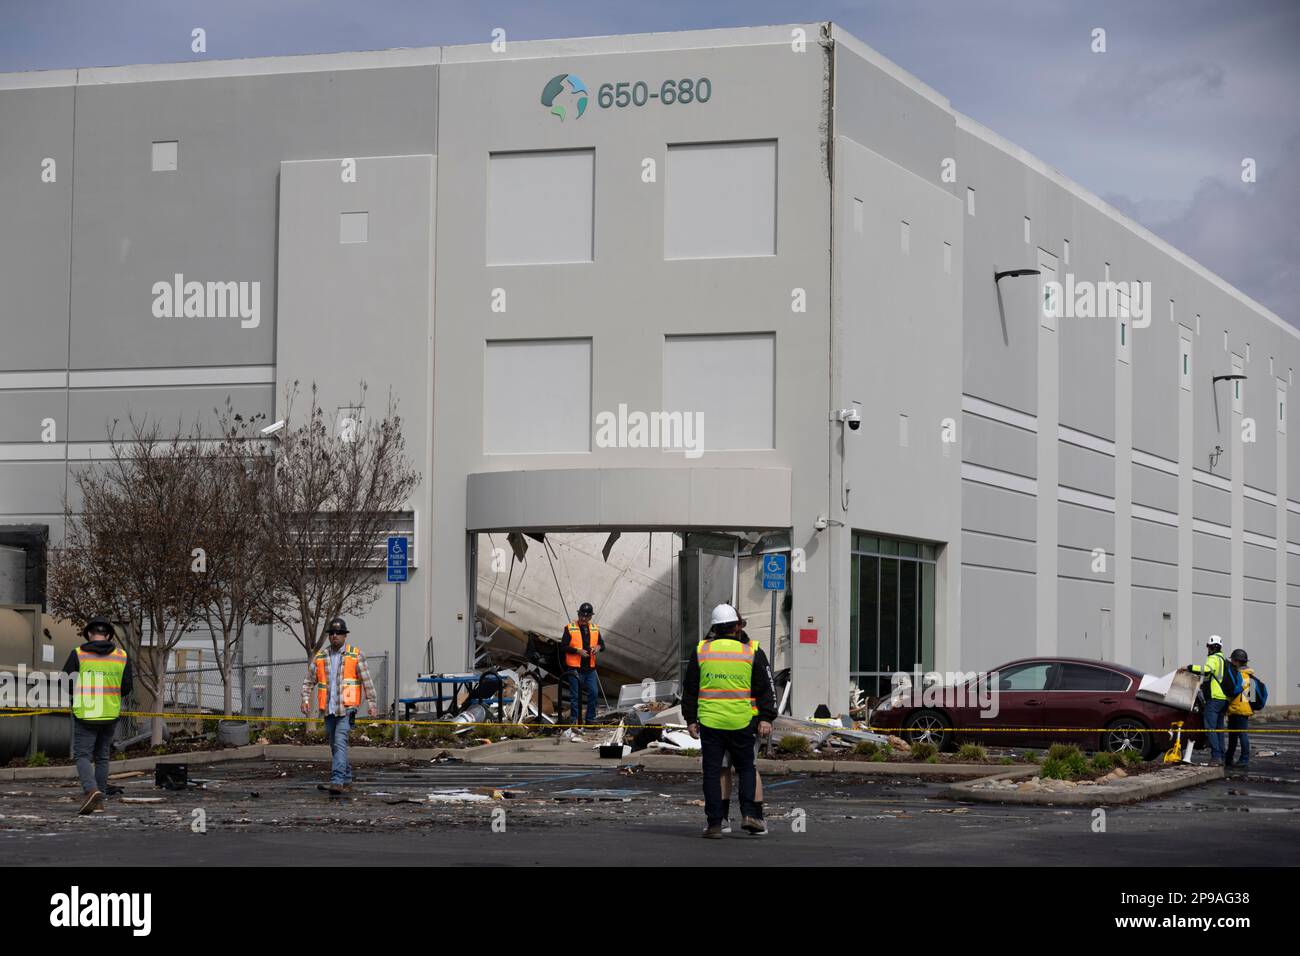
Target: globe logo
point(563, 93)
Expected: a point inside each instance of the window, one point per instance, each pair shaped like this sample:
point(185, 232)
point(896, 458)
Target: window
point(1026, 230)
point(165, 158)
point(1281, 408)
point(1238, 389)
point(1024, 677)
point(354, 227)
point(857, 215)
point(905, 237)
point(1185, 360)
point(555, 374)
point(1247, 351)
point(739, 408)
point(540, 207)
point(1171, 310)
point(1065, 251)
point(970, 201)
point(891, 610)
point(947, 258)
point(1047, 294)
point(1107, 272)
point(1084, 677)
point(1123, 345)
point(720, 200)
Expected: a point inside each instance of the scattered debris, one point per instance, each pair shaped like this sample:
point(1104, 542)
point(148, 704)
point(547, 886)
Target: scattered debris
point(141, 799)
point(584, 794)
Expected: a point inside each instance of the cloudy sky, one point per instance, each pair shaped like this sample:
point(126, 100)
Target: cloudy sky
point(1158, 125)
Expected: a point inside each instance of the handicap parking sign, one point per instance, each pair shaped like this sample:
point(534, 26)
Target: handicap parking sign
point(774, 572)
point(397, 545)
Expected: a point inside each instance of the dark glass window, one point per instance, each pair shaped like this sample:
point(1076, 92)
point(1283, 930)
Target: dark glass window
point(1084, 677)
point(1024, 677)
point(869, 616)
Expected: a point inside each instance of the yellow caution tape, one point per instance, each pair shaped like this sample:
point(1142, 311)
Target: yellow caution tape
point(381, 721)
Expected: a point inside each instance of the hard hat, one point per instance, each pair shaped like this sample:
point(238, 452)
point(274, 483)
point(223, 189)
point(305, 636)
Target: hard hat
point(100, 625)
point(1213, 641)
point(585, 608)
point(1239, 656)
point(337, 626)
point(724, 614)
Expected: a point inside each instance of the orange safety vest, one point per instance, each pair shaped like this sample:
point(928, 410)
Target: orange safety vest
point(571, 656)
point(350, 692)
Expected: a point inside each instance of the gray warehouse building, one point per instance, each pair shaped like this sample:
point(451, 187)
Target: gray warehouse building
point(774, 234)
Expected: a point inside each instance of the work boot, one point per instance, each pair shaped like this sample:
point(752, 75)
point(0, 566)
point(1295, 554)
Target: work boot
point(713, 832)
point(754, 826)
point(337, 789)
point(94, 801)
point(112, 790)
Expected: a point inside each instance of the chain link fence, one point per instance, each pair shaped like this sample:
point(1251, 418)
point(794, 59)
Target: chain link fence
point(257, 690)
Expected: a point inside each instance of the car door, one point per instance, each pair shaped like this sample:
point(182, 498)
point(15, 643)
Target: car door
point(1019, 696)
point(1085, 698)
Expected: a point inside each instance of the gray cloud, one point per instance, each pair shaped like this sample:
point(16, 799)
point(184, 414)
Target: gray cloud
point(1135, 89)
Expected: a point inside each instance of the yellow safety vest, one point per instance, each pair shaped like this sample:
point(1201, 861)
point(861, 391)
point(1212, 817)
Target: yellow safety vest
point(726, 668)
point(1214, 668)
point(98, 695)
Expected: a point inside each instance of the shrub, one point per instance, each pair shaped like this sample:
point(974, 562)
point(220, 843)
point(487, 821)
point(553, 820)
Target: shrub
point(1007, 761)
point(973, 752)
point(924, 751)
point(512, 731)
point(1104, 762)
point(933, 758)
point(1031, 756)
point(793, 744)
point(1061, 751)
point(1130, 757)
point(882, 754)
point(1069, 766)
point(38, 759)
point(865, 748)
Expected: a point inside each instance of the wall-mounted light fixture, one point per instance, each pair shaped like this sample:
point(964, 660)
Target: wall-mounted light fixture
point(1014, 273)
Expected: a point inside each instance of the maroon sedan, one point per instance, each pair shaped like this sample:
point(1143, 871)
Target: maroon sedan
point(1093, 704)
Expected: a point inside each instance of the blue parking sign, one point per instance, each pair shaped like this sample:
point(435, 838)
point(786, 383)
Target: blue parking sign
point(397, 545)
point(774, 572)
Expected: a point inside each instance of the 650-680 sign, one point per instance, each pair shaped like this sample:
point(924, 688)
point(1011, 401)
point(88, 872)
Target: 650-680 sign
point(639, 93)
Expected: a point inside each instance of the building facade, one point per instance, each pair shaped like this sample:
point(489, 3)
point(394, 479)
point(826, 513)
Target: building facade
point(757, 229)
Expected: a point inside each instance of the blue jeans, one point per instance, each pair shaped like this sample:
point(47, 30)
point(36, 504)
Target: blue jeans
point(585, 680)
point(337, 730)
point(1214, 713)
point(1237, 724)
point(738, 745)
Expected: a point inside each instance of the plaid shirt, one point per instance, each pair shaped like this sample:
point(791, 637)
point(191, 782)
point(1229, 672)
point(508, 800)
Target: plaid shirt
point(333, 668)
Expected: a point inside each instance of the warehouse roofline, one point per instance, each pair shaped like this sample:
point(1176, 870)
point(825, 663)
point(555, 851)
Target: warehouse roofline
point(605, 45)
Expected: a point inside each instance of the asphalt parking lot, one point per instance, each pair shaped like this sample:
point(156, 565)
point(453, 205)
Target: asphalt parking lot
point(272, 813)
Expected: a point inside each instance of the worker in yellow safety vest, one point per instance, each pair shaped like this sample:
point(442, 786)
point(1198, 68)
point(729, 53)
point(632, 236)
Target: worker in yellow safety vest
point(1216, 701)
point(725, 681)
point(339, 676)
point(727, 770)
point(103, 678)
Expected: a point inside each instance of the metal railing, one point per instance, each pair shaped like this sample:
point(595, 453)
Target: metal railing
point(257, 690)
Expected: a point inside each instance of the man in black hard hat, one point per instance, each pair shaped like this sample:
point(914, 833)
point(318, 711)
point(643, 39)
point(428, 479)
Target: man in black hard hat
point(338, 678)
point(1239, 711)
point(103, 682)
point(579, 645)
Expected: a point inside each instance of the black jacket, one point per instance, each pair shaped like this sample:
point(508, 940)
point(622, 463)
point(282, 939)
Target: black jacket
point(760, 685)
point(73, 666)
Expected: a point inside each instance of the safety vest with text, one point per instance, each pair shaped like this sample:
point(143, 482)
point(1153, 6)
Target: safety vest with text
point(726, 669)
point(571, 656)
point(349, 678)
point(99, 685)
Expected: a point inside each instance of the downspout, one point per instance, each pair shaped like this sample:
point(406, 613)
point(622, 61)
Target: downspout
point(833, 531)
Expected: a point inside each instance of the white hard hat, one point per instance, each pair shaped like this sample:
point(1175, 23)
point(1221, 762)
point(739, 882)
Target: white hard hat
point(1213, 641)
point(724, 614)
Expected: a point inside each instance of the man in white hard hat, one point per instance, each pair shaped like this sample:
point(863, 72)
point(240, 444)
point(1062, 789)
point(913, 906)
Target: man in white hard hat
point(1216, 701)
point(726, 682)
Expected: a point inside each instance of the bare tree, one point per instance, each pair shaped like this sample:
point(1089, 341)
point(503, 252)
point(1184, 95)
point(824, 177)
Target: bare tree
point(129, 551)
point(235, 475)
point(326, 512)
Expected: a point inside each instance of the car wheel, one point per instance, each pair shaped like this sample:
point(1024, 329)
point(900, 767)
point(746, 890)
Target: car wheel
point(928, 727)
point(1128, 733)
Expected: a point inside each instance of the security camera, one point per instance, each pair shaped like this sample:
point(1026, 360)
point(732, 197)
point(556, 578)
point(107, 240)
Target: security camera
point(821, 523)
point(850, 417)
point(274, 427)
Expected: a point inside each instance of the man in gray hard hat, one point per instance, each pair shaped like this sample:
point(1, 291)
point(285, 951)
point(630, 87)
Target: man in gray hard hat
point(579, 644)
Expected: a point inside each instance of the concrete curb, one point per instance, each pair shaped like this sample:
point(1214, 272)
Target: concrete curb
point(675, 764)
point(1128, 790)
